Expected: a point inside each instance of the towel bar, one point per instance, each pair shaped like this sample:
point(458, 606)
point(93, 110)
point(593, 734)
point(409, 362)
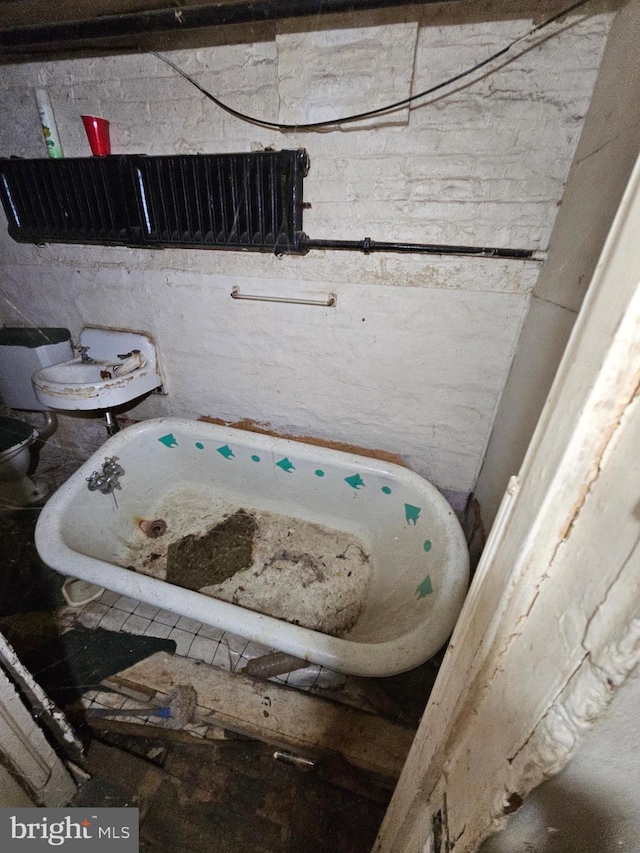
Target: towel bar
point(325, 303)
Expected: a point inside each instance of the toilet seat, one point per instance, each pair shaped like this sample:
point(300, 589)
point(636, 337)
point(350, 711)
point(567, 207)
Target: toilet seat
point(14, 435)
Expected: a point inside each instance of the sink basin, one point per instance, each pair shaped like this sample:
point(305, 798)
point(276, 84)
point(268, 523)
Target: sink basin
point(76, 372)
point(100, 383)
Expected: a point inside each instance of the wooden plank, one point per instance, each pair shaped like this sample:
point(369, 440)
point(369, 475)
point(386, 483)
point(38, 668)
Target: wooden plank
point(153, 732)
point(287, 718)
point(249, 425)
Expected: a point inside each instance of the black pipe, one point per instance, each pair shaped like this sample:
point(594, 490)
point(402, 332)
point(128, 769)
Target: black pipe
point(182, 18)
point(368, 245)
point(111, 422)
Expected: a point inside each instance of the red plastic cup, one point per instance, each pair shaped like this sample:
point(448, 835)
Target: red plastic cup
point(97, 130)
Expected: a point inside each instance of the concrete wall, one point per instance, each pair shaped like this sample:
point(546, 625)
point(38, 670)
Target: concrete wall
point(607, 151)
point(415, 356)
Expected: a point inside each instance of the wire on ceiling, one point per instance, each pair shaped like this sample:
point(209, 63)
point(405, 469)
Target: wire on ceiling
point(318, 125)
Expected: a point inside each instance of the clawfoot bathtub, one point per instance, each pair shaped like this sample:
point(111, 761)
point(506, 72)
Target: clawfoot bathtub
point(346, 561)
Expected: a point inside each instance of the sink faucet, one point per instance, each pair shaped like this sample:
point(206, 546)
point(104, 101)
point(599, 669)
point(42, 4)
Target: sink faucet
point(86, 359)
point(106, 481)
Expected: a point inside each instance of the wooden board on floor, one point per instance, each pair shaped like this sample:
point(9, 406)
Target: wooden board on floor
point(287, 718)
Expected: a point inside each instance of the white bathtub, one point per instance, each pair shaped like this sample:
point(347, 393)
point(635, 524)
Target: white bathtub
point(413, 560)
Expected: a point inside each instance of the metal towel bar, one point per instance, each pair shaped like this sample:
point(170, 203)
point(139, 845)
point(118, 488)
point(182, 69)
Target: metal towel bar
point(325, 303)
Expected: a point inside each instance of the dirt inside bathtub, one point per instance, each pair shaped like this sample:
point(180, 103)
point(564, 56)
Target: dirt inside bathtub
point(298, 571)
point(195, 561)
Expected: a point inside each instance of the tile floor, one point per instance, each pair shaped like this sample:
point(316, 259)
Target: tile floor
point(401, 698)
point(121, 613)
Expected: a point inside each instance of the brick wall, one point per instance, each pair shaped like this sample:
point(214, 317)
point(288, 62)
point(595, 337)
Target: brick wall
point(415, 356)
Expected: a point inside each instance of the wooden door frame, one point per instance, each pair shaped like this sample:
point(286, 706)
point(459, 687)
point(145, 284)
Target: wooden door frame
point(549, 630)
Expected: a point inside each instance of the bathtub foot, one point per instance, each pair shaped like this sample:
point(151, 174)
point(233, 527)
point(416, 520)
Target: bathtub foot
point(278, 663)
point(77, 592)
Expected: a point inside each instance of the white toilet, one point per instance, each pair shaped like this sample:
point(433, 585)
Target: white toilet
point(22, 352)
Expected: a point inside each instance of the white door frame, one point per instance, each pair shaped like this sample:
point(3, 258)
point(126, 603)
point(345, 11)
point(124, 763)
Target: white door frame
point(550, 628)
point(26, 753)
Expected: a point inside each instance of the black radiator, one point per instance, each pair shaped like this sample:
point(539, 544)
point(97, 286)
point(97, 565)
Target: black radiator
point(249, 201)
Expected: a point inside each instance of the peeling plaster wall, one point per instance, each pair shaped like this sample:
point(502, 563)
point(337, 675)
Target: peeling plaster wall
point(608, 149)
point(415, 356)
point(592, 805)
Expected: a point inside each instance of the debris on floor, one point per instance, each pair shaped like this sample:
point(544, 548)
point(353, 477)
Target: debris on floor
point(203, 786)
point(78, 660)
point(228, 796)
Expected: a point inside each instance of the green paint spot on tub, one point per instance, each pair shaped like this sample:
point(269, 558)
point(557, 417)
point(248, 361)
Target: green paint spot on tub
point(386, 490)
point(286, 465)
point(427, 545)
point(226, 451)
point(168, 440)
point(319, 472)
point(199, 445)
point(425, 588)
point(255, 458)
point(356, 481)
point(412, 513)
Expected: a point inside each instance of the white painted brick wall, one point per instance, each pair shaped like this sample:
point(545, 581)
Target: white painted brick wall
point(485, 165)
point(345, 72)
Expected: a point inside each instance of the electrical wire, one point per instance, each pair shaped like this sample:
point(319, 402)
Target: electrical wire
point(318, 125)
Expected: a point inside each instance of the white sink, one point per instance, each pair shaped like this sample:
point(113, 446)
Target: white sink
point(100, 383)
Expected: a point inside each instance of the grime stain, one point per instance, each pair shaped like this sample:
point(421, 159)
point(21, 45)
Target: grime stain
point(197, 561)
point(300, 572)
point(319, 472)
point(355, 481)
point(255, 458)
point(226, 451)
point(386, 490)
point(412, 513)
point(427, 545)
point(168, 440)
point(425, 588)
point(286, 465)
point(310, 569)
point(199, 445)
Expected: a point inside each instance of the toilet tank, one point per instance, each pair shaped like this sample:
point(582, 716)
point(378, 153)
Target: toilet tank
point(22, 352)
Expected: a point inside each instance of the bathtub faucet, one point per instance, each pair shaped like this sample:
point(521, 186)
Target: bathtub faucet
point(106, 481)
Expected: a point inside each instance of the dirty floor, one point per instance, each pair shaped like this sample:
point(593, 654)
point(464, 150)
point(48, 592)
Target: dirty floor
point(226, 795)
point(230, 797)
